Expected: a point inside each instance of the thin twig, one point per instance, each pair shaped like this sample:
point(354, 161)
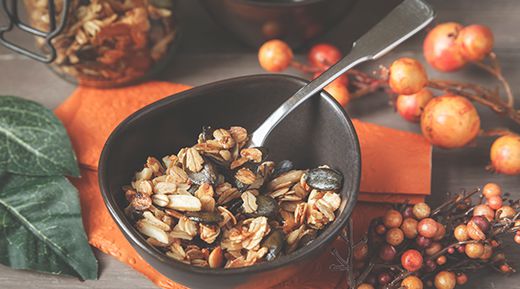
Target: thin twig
point(478, 94)
point(495, 70)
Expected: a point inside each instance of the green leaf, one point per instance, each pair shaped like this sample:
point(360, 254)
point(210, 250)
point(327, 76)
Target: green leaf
point(41, 227)
point(33, 141)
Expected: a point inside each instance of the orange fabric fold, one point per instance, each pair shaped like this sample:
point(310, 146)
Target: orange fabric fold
point(396, 168)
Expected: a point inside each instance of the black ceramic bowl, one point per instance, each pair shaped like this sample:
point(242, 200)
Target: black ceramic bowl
point(312, 135)
point(295, 21)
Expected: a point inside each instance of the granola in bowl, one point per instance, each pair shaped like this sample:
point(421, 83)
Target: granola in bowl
point(221, 204)
point(107, 42)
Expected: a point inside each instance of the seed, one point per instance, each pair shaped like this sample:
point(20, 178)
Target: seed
point(160, 200)
point(225, 154)
point(152, 231)
point(324, 179)
point(216, 258)
point(205, 217)
point(165, 188)
point(145, 174)
point(184, 203)
point(285, 179)
point(150, 218)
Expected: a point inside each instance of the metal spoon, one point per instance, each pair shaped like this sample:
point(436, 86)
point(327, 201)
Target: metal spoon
point(401, 23)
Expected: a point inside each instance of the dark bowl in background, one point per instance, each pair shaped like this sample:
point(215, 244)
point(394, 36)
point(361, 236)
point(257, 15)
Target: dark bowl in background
point(312, 135)
point(296, 22)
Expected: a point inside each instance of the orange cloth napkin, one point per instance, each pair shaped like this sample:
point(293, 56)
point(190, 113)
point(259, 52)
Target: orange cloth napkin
point(396, 168)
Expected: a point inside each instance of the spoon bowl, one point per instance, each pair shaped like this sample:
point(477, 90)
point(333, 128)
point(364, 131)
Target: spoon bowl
point(317, 132)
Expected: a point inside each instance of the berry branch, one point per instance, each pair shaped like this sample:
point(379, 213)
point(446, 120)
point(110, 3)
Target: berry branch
point(413, 246)
point(449, 120)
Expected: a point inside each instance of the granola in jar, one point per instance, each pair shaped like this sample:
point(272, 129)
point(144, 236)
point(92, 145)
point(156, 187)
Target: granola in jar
point(221, 204)
point(108, 42)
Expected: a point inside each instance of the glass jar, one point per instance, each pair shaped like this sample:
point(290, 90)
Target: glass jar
point(105, 43)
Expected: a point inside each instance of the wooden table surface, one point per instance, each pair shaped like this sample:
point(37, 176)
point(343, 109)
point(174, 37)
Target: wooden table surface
point(208, 53)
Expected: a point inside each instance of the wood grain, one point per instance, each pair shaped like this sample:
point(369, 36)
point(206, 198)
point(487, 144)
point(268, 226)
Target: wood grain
point(209, 53)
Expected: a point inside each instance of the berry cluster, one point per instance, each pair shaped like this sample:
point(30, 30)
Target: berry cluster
point(449, 120)
point(276, 55)
point(414, 246)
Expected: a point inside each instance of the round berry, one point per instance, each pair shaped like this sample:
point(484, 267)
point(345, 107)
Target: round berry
point(339, 91)
point(365, 286)
point(445, 280)
point(394, 236)
point(384, 278)
point(494, 202)
point(491, 189)
point(481, 222)
point(517, 239)
point(462, 278)
point(484, 210)
point(412, 282)
point(441, 260)
point(411, 106)
point(434, 248)
point(474, 250)
point(506, 212)
point(430, 266)
point(421, 210)
point(427, 227)
point(408, 212)
point(506, 268)
point(392, 219)
point(275, 55)
point(474, 231)
point(407, 76)
point(450, 121)
point(440, 47)
point(324, 55)
point(409, 228)
point(380, 229)
point(505, 154)
point(423, 242)
point(387, 253)
point(441, 232)
point(488, 252)
point(361, 252)
point(412, 260)
point(475, 42)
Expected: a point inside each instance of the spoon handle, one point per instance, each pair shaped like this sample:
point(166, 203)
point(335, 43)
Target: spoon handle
point(401, 23)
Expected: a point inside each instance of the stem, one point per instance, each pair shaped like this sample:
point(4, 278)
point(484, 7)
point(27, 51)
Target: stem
point(305, 68)
point(497, 132)
point(478, 94)
point(454, 201)
point(367, 89)
point(495, 70)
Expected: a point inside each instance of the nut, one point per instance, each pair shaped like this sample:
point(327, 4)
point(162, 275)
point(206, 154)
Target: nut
point(184, 203)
